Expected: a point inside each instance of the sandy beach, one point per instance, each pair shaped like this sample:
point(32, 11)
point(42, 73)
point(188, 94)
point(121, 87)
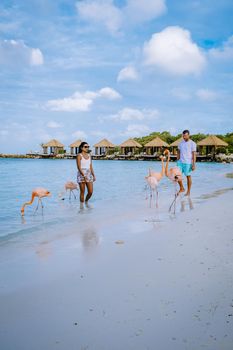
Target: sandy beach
point(131, 101)
point(123, 284)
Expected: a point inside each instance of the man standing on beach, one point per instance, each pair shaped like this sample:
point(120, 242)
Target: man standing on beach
point(186, 159)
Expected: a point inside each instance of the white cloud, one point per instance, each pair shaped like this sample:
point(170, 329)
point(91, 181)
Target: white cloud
point(36, 57)
point(53, 125)
point(82, 101)
point(127, 73)
point(102, 12)
point(136, 130)
point(138, 11)
point(127, 114)
point(225, 52)
point(16, 53)
point(109, 93)
point(174, 51)
point(76, 102)
point(113, 18)
point(202, 94)
point(206, 95)
point(79, 135)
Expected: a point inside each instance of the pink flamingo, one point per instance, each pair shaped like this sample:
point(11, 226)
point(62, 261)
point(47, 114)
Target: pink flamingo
point(175, 175)
point(71, 186)
point(153, 180)
point(37, 192)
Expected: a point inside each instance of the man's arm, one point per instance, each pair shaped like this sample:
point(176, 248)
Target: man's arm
point(194, 156)
point(178, 154)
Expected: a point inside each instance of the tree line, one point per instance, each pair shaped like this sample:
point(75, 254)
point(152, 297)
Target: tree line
point(167, 137)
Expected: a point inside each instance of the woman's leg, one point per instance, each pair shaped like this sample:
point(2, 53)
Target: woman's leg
point(82, 191)
point(90, 190)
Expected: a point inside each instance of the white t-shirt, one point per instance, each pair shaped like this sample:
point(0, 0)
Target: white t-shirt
point(186, 148)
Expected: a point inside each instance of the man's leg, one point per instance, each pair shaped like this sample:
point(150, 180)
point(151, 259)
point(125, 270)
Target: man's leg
point(189, 185)
point(180, 182)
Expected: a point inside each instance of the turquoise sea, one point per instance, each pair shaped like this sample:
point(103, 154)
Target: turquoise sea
point(120, 186)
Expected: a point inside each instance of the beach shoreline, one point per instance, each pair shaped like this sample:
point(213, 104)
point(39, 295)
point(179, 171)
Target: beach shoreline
point(218, 158)
point(128, 284)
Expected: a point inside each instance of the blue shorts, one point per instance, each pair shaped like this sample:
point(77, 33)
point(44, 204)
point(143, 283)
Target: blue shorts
point(185, 168)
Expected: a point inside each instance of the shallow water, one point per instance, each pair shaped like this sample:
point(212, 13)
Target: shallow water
point(119, 190)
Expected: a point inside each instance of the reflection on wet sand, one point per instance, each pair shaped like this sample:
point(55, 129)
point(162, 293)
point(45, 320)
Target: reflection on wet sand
point(90, 239)
point(186, 202)
point(44, 250)
point(23, 221)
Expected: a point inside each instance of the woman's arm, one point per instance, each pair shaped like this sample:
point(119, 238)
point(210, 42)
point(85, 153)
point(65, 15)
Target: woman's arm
point(92, 171)
point(78, 162)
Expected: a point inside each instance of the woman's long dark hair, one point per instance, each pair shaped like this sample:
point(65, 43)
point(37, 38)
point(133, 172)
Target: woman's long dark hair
point(81, 146)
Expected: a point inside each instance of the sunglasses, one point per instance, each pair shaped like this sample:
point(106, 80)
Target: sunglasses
point(86, 146)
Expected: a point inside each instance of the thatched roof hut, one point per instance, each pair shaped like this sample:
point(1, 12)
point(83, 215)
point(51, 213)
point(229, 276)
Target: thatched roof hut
point(212, 140)
point(103, 147)
point(174, 145)
point(74, 147)
point(53, 143)
point(155, 145)
point(129, 146)
point(54, 146)
point(211, 143)
point(176, 142)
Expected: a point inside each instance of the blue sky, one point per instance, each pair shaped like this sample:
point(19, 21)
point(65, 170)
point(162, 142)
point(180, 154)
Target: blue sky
point(117, 69)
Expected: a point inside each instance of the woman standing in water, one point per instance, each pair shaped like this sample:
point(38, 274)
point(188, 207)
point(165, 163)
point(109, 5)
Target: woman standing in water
point(86, 176)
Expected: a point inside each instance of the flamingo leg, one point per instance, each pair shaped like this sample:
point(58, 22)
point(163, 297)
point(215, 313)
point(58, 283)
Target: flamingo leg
point(154, 199)
point(73, 194)
point(157, 199)
point(37, 205)
point(146, 188)
point(176, 195)
point(151, 195)
point(170, 208)
point(42, 206)
point(173, 204)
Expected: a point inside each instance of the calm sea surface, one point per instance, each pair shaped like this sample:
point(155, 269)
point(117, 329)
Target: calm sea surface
point(119, 184)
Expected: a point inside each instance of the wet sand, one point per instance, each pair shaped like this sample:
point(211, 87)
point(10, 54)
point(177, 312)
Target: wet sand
point(128, 284)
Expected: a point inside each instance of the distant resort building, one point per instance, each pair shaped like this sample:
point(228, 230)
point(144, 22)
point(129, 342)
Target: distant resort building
point(210, 145)
point(174, 145)
point(130, 147)
point(53, 147)
point(207, 148)
point(155, 146)
point(103, 147)
point(74, 147)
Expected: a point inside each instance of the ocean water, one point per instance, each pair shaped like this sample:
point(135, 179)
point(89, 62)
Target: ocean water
point(119, 190)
